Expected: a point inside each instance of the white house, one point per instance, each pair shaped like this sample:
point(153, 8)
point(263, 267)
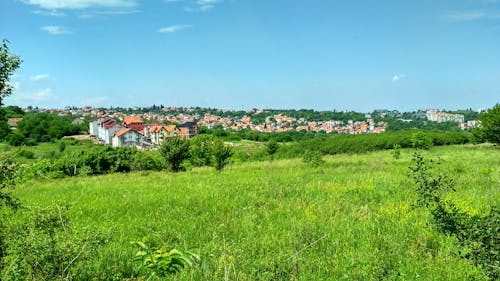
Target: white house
point(94, 126)
point(127, 137)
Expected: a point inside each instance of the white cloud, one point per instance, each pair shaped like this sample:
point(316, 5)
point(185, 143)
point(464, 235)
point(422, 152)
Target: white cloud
point(398, 77)
point(38, 97)
point(56, 30)
point(52, 13)
point(94, 101)
point(471, 15)
point(39, 77)
point(200, 5)
point(81, 4)
point(174, 28)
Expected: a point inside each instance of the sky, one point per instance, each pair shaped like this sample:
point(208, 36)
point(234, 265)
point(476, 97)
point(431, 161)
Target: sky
point(243, 54)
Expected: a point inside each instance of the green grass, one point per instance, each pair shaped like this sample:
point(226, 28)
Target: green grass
point(44, 150)
point(349, 219)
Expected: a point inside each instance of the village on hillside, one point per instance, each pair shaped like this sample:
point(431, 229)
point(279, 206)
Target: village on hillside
point(134, 132)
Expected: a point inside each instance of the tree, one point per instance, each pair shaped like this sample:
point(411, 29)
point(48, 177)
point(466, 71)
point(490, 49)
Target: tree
point(222, 154)
point(175, 151)
point(8, 64)
point(201, 149)
point(490, 125)
point(272, 147)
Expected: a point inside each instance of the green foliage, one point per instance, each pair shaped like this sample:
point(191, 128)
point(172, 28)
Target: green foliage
point(61, 146)
point(161, 263)
point(7, 201)
point(44, 127)
point(8, 64)
point(175, 151)
point(421, 140)
point(4, 127)
point(26, 153)
point(147, 161)
point(490, 125)
point(313, 157)
point(222, 154)
point(272, 147)
point(478, 235)
point(201, 149)
point(396, 151)
point(43, 245)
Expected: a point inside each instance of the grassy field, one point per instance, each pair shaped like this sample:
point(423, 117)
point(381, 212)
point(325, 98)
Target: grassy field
point(348, 219)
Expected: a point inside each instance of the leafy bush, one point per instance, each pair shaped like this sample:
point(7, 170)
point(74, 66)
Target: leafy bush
point(222, 154)
point(420, 140)
point(175, 151)
point(43, 245)
point(272, 147)
point(161, 263)
point(147, 161)
point(396, 151)
point(478, 235)
point(313, 157)
point(490, 125)
point(201, 150)
point(23, 152)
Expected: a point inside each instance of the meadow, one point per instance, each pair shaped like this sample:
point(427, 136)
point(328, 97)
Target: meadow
point(350, 218)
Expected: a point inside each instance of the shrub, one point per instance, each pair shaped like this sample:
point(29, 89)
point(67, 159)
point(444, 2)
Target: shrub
point(175, 151)
point(161, 263)
point(222, 154)
point(272, 147)
point(420, 140)
point(313, 157)
point(478, 235)
point(396, 151)
point(43, 245)
point(201, 150)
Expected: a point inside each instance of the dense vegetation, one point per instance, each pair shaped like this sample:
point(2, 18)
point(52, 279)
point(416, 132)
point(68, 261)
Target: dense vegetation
point(256, 221)
point(44, 127)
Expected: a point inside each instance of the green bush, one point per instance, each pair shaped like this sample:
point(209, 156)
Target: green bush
point(43, 245)
point(222, 154)
point(313, 157)
point(477, 234)
point(159, 263)
point(175, 151)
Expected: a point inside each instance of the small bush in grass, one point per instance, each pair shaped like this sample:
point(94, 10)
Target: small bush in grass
point(396, 151)
point(222, 154)
point(175, 151)
point(272, 147)
point(313, 157)
point(421, 140)
point(477, 234)
point(26, 153)
point(159, 263)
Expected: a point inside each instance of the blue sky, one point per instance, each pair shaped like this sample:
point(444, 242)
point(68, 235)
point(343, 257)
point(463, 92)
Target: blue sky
point(241, 54)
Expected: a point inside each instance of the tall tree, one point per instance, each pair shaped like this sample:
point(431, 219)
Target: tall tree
point(8, 64)
point(490, 124)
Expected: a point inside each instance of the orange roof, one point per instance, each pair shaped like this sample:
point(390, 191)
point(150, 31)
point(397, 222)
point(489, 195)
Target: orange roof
point(122, 132)
point(169, 128)
point(14, 120)
point(132, 119)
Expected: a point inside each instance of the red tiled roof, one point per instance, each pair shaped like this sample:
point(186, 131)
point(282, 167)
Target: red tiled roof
point(132, 119)
point(122, 132)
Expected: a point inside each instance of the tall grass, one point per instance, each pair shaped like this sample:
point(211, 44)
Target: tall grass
point(349, 218)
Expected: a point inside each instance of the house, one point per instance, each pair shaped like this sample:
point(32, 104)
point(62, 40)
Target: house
point(12, 122)
point(188, 130)
point(94, 126)
point(107, 129)
point(127, 137)
point(134, 122)
point(78, 121)
point(158, 134)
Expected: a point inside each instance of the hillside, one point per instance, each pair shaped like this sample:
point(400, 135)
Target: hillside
point(349, 219)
